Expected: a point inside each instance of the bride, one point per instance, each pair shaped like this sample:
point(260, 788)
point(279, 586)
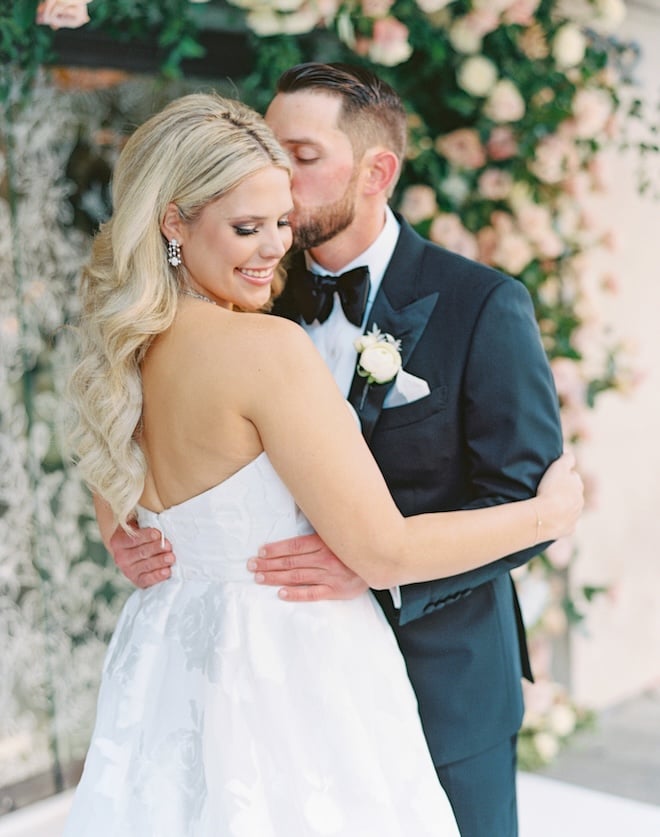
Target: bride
point(222, 711)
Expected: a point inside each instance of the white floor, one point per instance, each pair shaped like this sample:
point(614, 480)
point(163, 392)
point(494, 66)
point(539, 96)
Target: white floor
point(547, 809)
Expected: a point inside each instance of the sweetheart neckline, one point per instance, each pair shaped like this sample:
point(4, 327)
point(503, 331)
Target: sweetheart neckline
point(206, 490)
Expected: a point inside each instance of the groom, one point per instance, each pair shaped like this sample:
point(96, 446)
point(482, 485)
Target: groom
point(472, 420)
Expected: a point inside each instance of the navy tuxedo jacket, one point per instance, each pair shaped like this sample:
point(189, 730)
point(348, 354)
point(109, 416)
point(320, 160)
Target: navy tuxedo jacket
point(484, 435)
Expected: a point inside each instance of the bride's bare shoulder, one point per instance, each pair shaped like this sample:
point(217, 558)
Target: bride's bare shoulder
point(278, 351)
point(219, 338)
point(270, 334)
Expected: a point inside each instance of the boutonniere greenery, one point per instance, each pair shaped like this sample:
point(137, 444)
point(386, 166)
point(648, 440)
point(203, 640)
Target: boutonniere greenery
point(379, 358)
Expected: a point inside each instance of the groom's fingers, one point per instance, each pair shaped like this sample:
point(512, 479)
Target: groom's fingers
point(299, 568)
point(143, 558)
point(292, 577)
point(313, 593)
point(301, 545)
point(305, 570)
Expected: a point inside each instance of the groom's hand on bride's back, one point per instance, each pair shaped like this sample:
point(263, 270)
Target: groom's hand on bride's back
point(305, 570)
point(142, 558)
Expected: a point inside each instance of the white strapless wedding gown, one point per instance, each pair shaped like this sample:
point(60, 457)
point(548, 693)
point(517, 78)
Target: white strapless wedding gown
point(227, 712)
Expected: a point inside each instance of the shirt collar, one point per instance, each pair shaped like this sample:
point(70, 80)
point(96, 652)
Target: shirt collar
point(376, 257)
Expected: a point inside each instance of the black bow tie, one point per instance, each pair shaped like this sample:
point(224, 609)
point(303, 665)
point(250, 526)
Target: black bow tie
point(314, 295)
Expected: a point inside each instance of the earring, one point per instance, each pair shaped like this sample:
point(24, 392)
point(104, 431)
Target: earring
point(174, 252)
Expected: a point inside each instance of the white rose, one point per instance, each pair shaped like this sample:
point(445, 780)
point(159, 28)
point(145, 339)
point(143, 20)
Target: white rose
point(492, 5)
point(505, 104)
point(477, 75)
point(381, 361)
point(298, 23)
point(464, 37)
point(562, 720)
point(265, 22)
point(287, 5)
point(546, 746)
point(568, 46)
point(431, 6)
point(610, 15)
point(365, 340)
point(456, 188)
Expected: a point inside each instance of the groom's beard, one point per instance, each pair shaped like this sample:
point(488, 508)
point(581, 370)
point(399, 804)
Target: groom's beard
point(321, 223)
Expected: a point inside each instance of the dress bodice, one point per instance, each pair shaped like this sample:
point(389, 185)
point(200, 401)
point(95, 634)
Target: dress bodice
point(214, 533)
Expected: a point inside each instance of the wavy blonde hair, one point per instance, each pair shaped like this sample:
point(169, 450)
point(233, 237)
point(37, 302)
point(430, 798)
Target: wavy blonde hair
point(194, 151)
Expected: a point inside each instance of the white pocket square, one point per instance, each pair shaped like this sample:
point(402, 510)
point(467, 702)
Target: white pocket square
point(407, 388)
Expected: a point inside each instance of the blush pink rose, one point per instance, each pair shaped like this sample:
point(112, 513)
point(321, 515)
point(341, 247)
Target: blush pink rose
point(536, 222)
point(418, 203)
point(591, 112)
point(486, 244)
point(495, 184)
point(555, 158)
point(512, 253)
point(483, 21)
point(462, 148)
point(448, 231)
point(62, 14)
point(389, 44)
point(502, 222)
point(501, 144)
point(560, 553)
point(569, 382)
point(521, 12)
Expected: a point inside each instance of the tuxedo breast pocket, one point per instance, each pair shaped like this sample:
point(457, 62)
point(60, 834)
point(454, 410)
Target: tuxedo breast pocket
point(416, 411)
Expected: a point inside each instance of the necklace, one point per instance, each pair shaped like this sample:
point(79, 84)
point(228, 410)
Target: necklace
point(195, 295)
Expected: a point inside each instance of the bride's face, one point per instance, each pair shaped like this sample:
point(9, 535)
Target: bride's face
point(230, 252)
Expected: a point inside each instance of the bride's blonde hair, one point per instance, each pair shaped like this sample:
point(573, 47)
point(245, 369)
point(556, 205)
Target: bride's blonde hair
point(194, 151)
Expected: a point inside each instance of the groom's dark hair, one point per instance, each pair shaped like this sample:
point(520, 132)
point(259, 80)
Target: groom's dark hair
point(372, 112)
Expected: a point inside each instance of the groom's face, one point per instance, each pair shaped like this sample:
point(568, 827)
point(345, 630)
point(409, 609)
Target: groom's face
point(325, 174)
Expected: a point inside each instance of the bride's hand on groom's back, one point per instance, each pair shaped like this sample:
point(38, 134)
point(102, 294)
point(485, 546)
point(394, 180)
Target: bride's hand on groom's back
point(305, 570)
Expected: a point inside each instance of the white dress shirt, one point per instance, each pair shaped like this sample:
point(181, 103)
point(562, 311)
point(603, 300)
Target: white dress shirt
point(335, 337)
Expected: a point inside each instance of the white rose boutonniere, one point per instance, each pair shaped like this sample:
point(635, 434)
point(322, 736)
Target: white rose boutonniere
point(379, 358)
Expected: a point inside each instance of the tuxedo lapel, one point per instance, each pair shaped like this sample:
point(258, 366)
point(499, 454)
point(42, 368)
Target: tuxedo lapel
point(406, 325)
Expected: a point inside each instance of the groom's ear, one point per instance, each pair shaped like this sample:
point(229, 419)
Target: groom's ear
point(382, 170)
point(172, 224)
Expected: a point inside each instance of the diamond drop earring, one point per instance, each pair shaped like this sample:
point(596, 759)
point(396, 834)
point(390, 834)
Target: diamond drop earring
point(174, 252)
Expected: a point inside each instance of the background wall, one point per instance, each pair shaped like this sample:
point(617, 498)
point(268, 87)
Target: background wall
point(617, 653)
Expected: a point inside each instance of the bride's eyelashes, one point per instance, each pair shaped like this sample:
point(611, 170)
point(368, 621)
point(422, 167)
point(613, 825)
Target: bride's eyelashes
point(241, 230)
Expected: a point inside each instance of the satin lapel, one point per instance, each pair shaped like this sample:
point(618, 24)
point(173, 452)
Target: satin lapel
point(407, 324)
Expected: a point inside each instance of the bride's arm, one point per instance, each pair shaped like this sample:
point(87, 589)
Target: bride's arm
point(314, 444)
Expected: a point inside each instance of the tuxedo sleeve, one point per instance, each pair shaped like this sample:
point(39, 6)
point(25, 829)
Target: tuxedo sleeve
point(512, 430)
